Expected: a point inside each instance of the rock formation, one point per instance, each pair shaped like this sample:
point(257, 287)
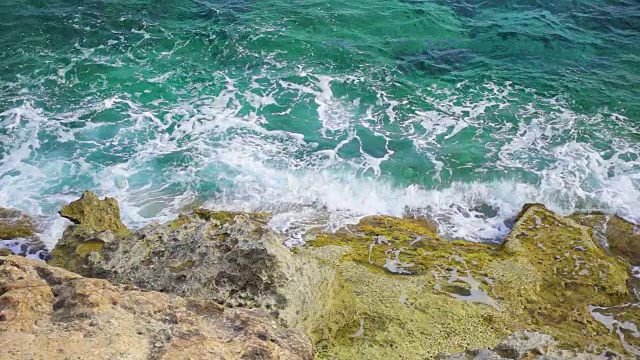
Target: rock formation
point(96, 223)
point(526, 345)
point(19, 232)
point(50, 313)
point(386, 287)
point(615, 234)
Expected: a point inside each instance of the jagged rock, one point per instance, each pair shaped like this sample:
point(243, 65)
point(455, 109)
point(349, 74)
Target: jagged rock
point(16, 224)
point(19, 234)
point(96, 223)
point(387, 287)
point(619, 236)
point(78, 248)
point(527, 345)
point(95, 214)
point(49, 313)
point(231, 258)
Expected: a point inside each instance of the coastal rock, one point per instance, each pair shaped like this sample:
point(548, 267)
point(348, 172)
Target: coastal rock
point(390, 287)
point(425, 295)
point(95, 223)
point(16, 224)
point(619, 236)
point(526, 345)
point(94, 214)
point(231, 258)
point(50, 313)
point(19, 234)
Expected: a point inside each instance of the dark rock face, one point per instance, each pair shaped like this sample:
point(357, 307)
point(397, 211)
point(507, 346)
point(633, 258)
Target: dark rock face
point(50, 313)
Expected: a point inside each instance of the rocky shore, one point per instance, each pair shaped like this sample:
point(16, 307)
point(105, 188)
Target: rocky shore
point(221, 285)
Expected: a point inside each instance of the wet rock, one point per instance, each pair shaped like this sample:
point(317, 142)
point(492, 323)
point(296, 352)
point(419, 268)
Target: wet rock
point(461, 295)
point(19, 234)
point(619, 236)
point(47, 312)
point(16, 224)
point(527, 345)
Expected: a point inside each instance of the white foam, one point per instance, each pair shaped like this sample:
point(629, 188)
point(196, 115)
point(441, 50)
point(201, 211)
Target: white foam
point(235, 162)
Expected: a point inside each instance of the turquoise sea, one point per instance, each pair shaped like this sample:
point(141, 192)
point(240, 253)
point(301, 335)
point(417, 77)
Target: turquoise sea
point(322, 111)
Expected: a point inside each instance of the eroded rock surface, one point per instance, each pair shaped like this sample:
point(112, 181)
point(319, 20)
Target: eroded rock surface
point(527, 345)
point(230, 258)
point(19, 233)
point(95, 223)
point(15, 224)
point(95, 214)
point(425, 295)
point(389, 287)
point(619, 236)
point(50, 313)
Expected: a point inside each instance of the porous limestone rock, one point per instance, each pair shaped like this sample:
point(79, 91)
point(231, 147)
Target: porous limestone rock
point(50, 313)
point(417, 295)
point(95, 214)
point(231, 258)
point(19, 232)
point(389, 287)
point(619, 236)
point(95, 223)
point(527, 345)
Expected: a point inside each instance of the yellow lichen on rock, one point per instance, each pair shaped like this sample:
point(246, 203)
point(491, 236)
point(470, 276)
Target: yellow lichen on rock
point(95, 214)
point(419, 295)
point(15, 224)
point(404, 318)
point(572, 273)
point(96, 223)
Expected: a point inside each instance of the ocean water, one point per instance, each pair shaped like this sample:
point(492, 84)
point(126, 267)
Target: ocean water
point(322, 111)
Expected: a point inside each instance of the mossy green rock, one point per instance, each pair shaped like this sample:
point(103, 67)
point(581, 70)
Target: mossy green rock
point(15, 224)
point(413, 295)
point(386, 288)
point(96, 223)
point(79, 248)
point(95, 214)
point(619, 236)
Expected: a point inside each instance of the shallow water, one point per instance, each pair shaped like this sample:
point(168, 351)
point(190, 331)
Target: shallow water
point(322, 111)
